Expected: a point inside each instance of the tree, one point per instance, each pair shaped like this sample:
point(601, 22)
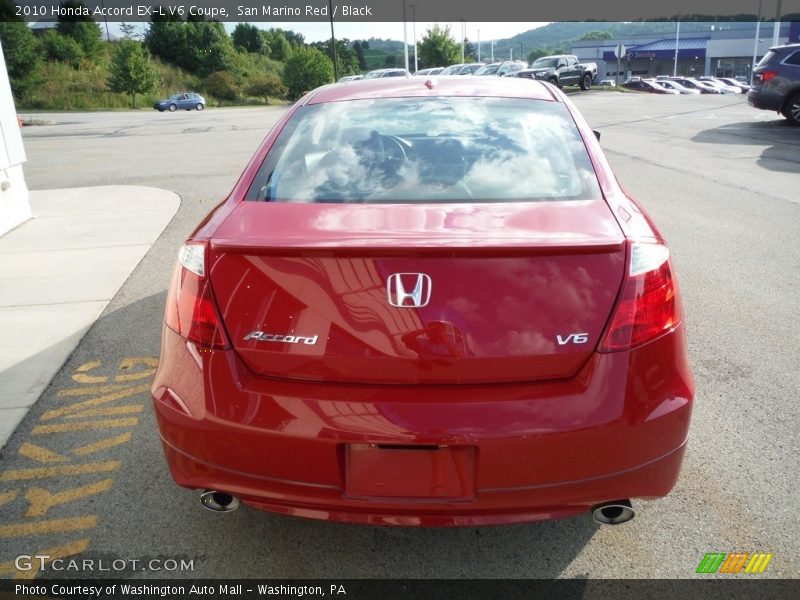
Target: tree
point(305, 70)
point(359, 48)
point(166, 38)
point(346, 57)
point(438, 48)
point(597, 35)
point(22, 56)
point(296, 40)
point(275, 44)
point(222, 85)
point(81, 28)
point(131, 71)
point(208, 48)
point(247, 38)
point(8, 12)
point(129, 31)
point(62, 48)
point(470, 52)
point(265, 86)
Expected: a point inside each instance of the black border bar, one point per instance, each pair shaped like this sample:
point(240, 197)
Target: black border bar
point(733, 587)
point(427, 11)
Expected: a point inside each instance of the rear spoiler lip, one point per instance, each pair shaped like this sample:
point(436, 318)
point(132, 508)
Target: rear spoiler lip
point(380, 246)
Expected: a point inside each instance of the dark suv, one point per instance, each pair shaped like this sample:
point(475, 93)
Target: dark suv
point(776, 82)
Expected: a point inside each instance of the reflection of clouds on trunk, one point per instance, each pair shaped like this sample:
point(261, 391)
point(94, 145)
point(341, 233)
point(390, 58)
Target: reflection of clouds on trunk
point(436, 150)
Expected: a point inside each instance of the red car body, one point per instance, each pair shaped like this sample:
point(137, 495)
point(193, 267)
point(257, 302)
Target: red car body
point(542, 378)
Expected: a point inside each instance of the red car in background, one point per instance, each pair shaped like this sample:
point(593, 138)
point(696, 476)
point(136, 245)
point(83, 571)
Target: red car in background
point(426, 302)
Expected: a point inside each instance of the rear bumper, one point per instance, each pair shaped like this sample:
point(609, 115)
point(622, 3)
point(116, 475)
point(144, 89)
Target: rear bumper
point(539, 451)
point(490, 507)
point(764, 100)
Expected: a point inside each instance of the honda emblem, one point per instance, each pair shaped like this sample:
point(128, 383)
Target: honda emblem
point(399, 284)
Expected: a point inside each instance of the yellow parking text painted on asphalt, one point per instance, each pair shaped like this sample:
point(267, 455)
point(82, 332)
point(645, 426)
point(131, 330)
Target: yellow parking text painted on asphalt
point(104, 444)
point(42, 500)
point(84, 425)
point(6, 497)
point(44, 472)
point(39, 454)
point(53, 471)
point(126, 392)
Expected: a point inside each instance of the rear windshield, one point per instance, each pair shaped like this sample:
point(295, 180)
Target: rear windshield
point(427, 150)
point(452, 69)
point(541, 63)
point(487, 70)
point(767, 59)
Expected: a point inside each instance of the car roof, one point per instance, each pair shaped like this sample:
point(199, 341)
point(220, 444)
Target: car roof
point(786, 46)
point(448, 86)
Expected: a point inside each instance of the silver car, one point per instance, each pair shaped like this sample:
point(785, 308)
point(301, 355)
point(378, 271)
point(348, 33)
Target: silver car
point(674, 85)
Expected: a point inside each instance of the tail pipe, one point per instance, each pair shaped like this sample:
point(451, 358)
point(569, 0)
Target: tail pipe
point(613, 513)
point(218, 501)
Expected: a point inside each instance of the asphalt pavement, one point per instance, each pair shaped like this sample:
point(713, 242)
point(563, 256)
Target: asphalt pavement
point(84, 473)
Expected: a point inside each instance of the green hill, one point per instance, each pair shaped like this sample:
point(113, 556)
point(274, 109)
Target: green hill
point(559, 36)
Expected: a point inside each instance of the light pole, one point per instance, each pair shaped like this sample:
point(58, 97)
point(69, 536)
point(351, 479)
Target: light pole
point(414, 33)
point(105, 18)
point(463, 37)
point(776, 32)
point(492, 43)
point(405, 35)
point(677, 39)
point(755, 43)
point(520, 50)
point(333, 45)
point(479, 45)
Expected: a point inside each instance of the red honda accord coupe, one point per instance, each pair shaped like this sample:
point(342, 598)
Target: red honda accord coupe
point(426, 302)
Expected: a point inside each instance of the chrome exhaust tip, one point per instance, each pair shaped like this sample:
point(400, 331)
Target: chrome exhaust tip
point(613, 513)
point(218, 501)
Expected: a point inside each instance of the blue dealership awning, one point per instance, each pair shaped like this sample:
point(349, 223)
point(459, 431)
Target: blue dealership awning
point(688, 48)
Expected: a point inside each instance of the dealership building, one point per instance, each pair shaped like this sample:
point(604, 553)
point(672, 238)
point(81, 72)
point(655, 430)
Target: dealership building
point(723, 50)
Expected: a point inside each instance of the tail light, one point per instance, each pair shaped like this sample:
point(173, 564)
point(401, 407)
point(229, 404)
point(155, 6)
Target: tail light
point(767, 75)
point(191, 310)
point(648, 306)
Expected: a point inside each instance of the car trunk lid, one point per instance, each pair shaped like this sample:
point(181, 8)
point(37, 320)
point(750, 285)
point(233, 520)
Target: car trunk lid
point(503, 292)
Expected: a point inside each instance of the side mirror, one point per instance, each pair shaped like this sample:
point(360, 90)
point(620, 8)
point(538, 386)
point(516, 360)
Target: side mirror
point(596, 134)
point(562, 63)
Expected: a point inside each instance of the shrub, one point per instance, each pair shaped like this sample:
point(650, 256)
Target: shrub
point(222, 85)
point(305, 70)
point(62, 48)
point(265, 86)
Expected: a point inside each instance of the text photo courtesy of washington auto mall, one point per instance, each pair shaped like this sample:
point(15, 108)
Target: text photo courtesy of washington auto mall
point(399, 299)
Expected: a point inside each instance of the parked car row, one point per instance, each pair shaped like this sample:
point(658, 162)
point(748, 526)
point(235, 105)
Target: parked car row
point(497, 69)
point(686, 85)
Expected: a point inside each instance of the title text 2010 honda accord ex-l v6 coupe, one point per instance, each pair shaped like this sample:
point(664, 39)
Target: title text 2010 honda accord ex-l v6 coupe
point(426, 302)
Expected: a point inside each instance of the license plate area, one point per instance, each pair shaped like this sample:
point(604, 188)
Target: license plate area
point(410, 472)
